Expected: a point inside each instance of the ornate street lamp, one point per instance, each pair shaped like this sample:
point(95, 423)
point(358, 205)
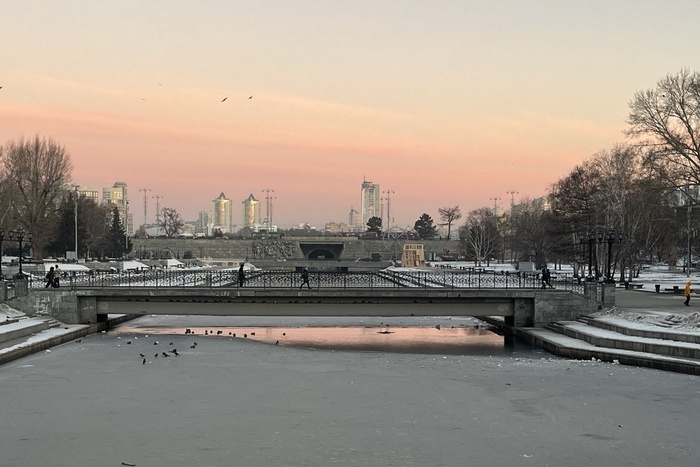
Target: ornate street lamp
point(611, 238)
point(20, 233)
point(590, 239)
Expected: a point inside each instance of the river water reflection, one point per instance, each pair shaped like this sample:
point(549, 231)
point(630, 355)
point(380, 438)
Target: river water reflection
point(452, 340)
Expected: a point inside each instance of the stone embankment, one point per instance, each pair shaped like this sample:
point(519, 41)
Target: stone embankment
point(21, 335)
point(618, 340)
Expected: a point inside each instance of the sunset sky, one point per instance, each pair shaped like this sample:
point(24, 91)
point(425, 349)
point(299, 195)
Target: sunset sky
point(442, 103)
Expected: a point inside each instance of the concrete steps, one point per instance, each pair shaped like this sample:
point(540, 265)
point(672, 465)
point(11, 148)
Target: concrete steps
point(23, 337)
point(618, 341)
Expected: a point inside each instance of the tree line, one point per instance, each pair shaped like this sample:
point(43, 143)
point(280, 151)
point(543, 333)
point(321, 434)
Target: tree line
point(633, 203)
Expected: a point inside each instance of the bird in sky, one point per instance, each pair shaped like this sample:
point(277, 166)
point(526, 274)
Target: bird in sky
point(250, 97)
point(224, 99)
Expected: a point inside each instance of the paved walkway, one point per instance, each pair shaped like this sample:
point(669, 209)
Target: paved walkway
point(649, 300)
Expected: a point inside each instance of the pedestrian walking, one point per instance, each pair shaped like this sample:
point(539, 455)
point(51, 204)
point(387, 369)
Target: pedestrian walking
point(305, 278)
point(546, 276)
point(687, 293)
point(49, 278)
point(56, 277)
point(241, 276)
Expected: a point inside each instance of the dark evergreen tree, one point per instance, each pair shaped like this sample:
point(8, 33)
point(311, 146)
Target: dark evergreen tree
point(374, 224)
point(118, 244)
point(425, 228)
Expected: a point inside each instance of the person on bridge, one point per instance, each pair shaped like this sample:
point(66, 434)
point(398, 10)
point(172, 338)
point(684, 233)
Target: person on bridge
point(241, 276)
point(56, 277)
point(546, 277)
point(305, 278)
point(687, 293)
point(49, 278)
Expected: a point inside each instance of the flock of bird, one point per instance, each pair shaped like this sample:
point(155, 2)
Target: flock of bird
point(188, 331)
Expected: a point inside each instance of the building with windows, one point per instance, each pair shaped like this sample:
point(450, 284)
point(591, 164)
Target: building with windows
point(251, 211)
point(88, 193)
point(354, 218)
point(117, 196)
point(370, 205)
point(203, 224)
point(222, 214)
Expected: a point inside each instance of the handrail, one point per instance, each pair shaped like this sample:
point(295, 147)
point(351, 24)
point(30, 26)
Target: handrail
point(264, 279)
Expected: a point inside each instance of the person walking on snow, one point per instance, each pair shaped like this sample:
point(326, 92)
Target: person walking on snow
point(687, 294)
point(305, 278)
point(241, 276)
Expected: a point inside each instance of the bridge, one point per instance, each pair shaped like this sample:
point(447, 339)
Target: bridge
point(517, 297)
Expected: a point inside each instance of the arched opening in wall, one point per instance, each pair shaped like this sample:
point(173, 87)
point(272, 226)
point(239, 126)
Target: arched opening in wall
point(321, 251)
point(321, 254)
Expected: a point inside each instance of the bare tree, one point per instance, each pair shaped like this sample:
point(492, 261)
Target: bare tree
point(665, 120)
point(170, 222)
point(532, 238)
point(479, 237)
point(449, 216)
point(35, 171)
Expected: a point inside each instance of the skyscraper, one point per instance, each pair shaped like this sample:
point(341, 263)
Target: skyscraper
point(222, 213)
point(251, 211)
point(116, 196)
point(370, 201)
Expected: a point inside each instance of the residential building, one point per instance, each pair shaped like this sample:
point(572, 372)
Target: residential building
point(251, 211)
point(222, 214)
point(370, 201)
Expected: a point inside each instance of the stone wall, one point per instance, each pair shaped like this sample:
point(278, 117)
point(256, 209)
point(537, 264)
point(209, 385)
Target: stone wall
point(560, 305)
point(285, 248)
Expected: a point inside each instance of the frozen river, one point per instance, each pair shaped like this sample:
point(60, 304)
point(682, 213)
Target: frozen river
point(248, 402)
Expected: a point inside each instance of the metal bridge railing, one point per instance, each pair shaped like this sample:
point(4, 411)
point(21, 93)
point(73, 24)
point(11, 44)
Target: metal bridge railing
point(383, 279)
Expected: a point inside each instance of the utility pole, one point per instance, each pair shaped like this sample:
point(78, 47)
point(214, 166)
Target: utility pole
point(512, 194)
point(388, 194)
point(145, 205)
point(157, 198)
point(75, 194)
point(495, 204)
point(269, 196)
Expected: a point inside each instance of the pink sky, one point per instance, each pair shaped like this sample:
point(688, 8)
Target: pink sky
point(444, 103)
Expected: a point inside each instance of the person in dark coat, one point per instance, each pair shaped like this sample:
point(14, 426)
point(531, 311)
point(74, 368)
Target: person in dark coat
point(49, 278)
point(305, 278)
point(241, 276)
point(546, 277)
point(56, 277)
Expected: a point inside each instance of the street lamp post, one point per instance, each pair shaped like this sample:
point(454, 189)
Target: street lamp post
point(611, 238)
point(2, 237)
point(590, 239)
point(20, 233)
point(76, 221)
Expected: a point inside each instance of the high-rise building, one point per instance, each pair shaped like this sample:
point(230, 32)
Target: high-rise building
point(222, 214)
point(370, 201)
point(117, 196)
point(203, 223)
point(251, 211)
point(354, 218)
point(88, 193)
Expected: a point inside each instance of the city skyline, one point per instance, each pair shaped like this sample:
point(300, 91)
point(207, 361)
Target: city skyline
point(444, 103)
